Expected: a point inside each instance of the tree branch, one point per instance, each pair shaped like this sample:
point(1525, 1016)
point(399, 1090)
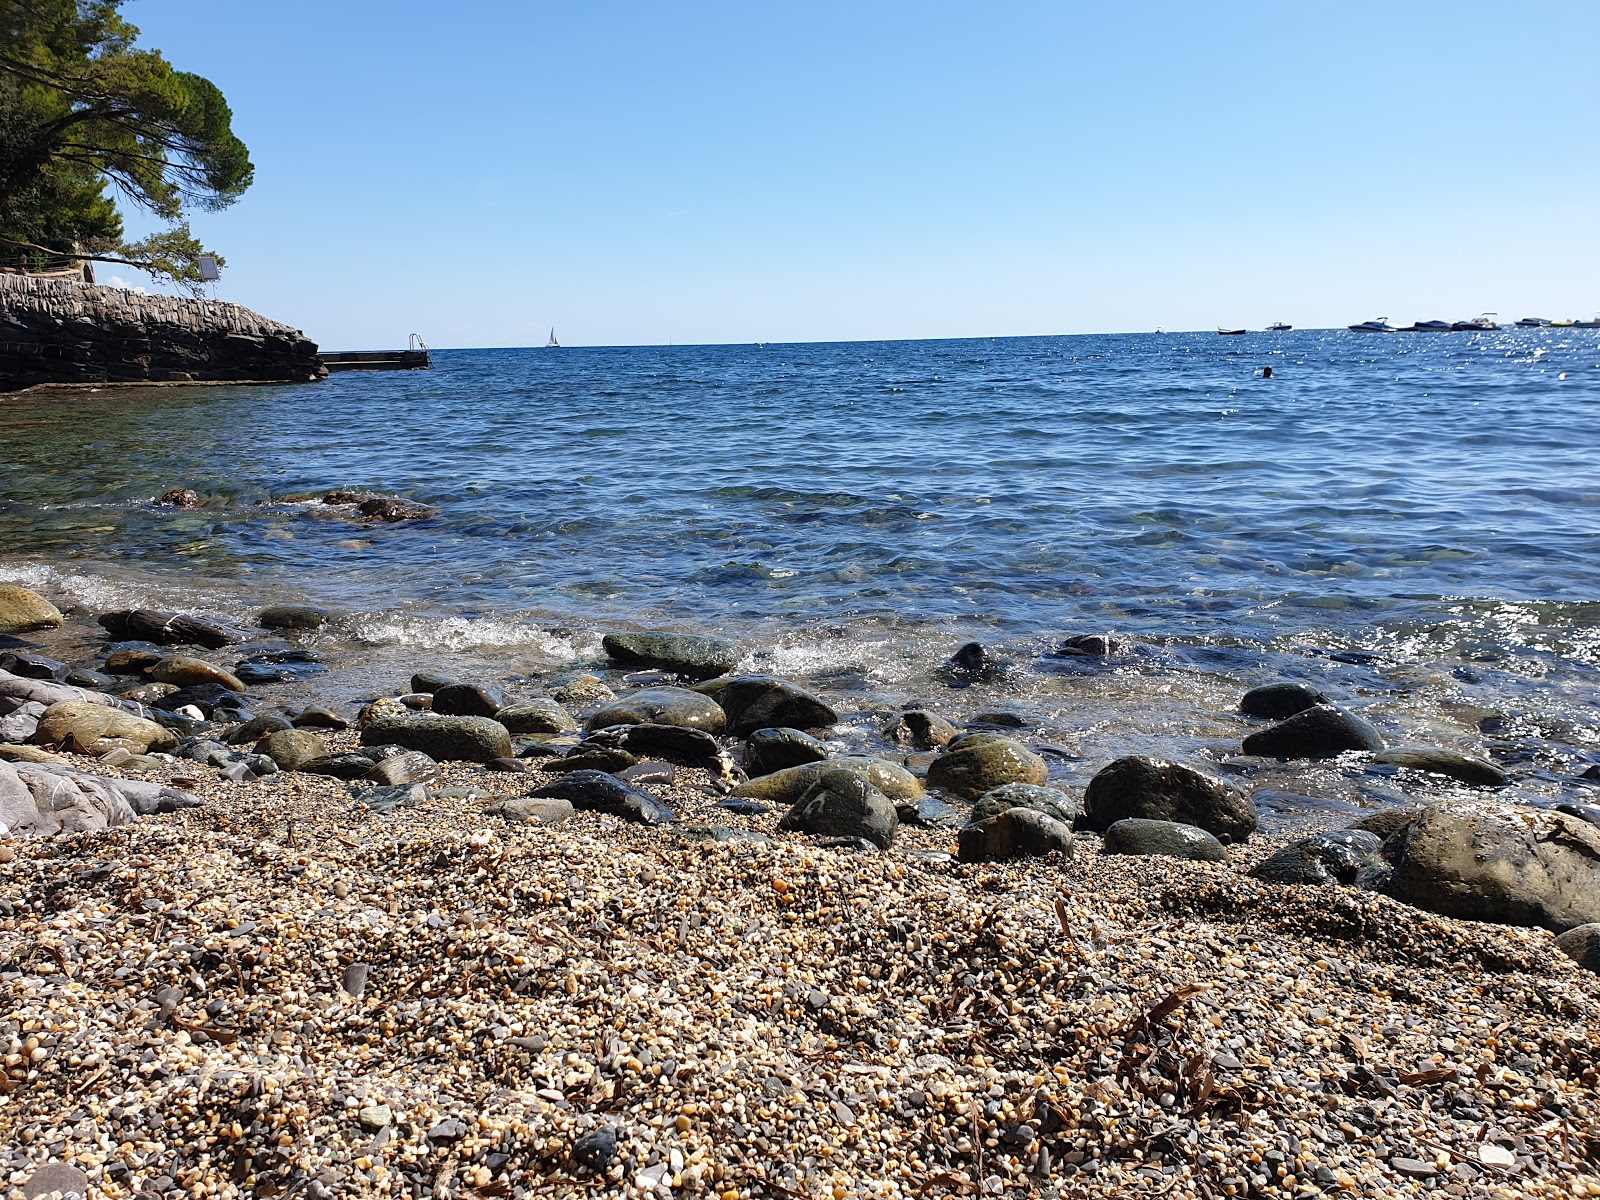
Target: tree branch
point(125, 262)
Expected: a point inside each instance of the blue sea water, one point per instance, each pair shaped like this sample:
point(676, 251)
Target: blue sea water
point(1432, 500)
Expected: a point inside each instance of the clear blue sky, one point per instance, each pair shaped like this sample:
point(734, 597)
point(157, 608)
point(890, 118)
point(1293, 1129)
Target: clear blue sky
point(732, 172)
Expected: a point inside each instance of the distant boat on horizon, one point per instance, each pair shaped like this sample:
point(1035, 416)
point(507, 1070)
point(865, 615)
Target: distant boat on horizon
point(1429, 327)
point(552, 344)
point(1534, 323)
point(1377, 325)
point(1593, 323)
point(1229, 332)
point(1484, 323)
point(1279, 327)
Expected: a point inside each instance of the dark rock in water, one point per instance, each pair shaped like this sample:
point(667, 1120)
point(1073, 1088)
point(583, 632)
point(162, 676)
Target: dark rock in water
point(382, 508)
point(1479, 869)
point(1015, 833)
point(33, 666)
point(684, 654)
point(1466, 768)
point(169, 629)
point(406, 767)
point(262, 669)
point(468, 700)
point(429, 682)
point(1000, 718)
point(1276, 701)
point(584, 757)
point(979, 762)
point(388, 799)
point(293, 616)
point(133, 659)
point(541, 715)
point(1337, 856)
point(769, 750)
point(720, 833)
point(595, 1149)
point(1582, 945)
point(971, 664)
point(85, 678)
point(1319, 732)
point(1088, 645)
point(258, 727)
point(349, 765)
point(644, 679)
point(1591, 772)
point(530, 810)
point(927, 813)
point(1052, 802)
point(744, 808)
point(843, 804)
point(1387, 822)
point(1157, 790)
point(292, 748)
point(470, 739)
point(687, 747)
point(920, 728)
point(595, 791)
point(754, 702)
point(316, 717)
point(662, 706)
point(1170, 839)
point(583, 690)
point(1584, 812)
point(641, 774)
point(213, 699)
point(182, 498)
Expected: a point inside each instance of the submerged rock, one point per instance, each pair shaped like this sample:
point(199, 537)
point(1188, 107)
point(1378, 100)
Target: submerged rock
point(1157, 790)
point(1319, 732)
point(685, 654)
point(972, 663)
point(1466, 768)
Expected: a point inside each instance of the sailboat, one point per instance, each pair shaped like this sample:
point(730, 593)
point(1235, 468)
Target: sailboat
point(552, 344)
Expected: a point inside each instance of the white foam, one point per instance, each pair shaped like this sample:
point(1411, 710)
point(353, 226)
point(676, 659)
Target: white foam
point(462, 633)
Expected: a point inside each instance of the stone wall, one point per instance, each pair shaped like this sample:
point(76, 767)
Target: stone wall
point(55, 330)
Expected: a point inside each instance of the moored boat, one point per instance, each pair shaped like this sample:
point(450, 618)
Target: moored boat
point(1279, 327)
point(1429, 327)
point(1229, 332)
point(1377, 325)
point(1534, 323)
point(1593, 323)
point(1484, 323)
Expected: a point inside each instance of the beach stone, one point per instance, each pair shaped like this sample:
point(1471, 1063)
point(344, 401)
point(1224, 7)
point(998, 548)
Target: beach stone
point(1584, 812)
point(979, 762)
point(676, 744)
point(84, 677)
point(315, 716)
point(1158, 790)
point(1014, 833)
point(1318, 732)
point(533, 716)
point(1337, 856)
point(1478, 868)
point(921, 729)
point(1170, 839)
point(1466, 768)
point(293, 616)
point(643, 774)
point(1275, 701)
point(257, 728)
point(132, 660)
point(776, 749)
point(33, 666)
point(348, 765)
point(24, 611)
point(90, 728)
point(292, 748)
point(469, 739)
point(390, 799)
point(1387, 822)
point(406, 767)
point(1052, 802)
point(744, 808)
point(1088, 645)
point(468, 700)
point(596, 791)
point(841, 803)
point(515, 766)
point(928, 813)
point(194, 672)
point(169, 629)
point(583, 690)
point(685, 654)
point(754, 702)
point(972, 663)
point(22, 723)
point(55, 1178)
point(788, 785)
point(1582, 944)
point(429, 682)
point(45, 798)
point(30, 754)
point(1000, 718)
point(662, 706)
point(595, 1150)
point(591, 758)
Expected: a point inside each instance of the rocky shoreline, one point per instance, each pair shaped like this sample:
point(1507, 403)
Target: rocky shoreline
point(662, 927)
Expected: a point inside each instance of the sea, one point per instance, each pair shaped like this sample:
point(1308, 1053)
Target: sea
point(1410, 522)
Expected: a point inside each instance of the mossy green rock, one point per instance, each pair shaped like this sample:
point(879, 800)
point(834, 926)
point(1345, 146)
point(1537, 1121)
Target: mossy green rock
point(1170, 839)
point(22, 611)
point(787, 786)
point(662, 706)
point(536, 716)
point(192, 672)
point(291, 749)
point(769, 750)
point(979, 763)
point(682, 653)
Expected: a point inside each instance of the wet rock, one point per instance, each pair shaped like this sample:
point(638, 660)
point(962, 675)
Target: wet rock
point(1478, 868)
point(181, 498)
point(348, 765)
point(533, 716)
point(1276, 701)
point(194, 672)
point(85, 678)
point(1088, 645)
point(257, 728)
point(1171, 839)
point(1000, 718)
point(1158, 790)
point(754, 702)
point(280, 666)
point(33, 666)
point(1387, 822)
point(1466, 768)
point(390, 799)
point(169, 629)
point(382, 508)
point(788, 785)
point(840, 803)
point(928, 813)
point(584, 690)
point(643, 774)
point(292, 748)
point(468, 700)
point(429, 682)
point(293, 617)
point(595, 791)
point(1337, 856)
point(662, 706)
point(684, 654)
point(132, 660)
point(1052, 802)
point(1582, 944)
point(769, 750)
point(979, 762)
point(1014, 833)
point(684, 746)
point(921, 729)
point(315, 716)
point(1319, 732)
point(87, 728)
point(24, 611)
point(470, 739)
point(584, 757)
point(744, 808)
point(972, 663)
point(406, 767)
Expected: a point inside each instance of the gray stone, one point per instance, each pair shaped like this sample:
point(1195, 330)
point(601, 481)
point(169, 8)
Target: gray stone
point(292, 616)
point(1014, 833)
point(84, 677)
point(408, 766)
point(1276, 701)
point(169, 629)
point(41, 799)
point(595, 1150)
point(769, 750)
point(530, 810)
point(444, 739)
point(292, 748)
point(1171, 839)
point(1319, 732)
point(977, 763)
point(595, 791)
point(1466, 768)
point(33, 666)
point(468, 700)
point(1581, 943)
point(681, 653)
point(541, 715)
point(1338, 856)
point(840, 803)
point(928, 813)
point(390, 799)
point(662, 706)
point(685, 746)
point(23, 611)
point(1157, 790)
point(1052, 802)
point(56, 1178)
point(376, 1116)
point(754, 702)
point(92, 728)
point(348, 765)
point(584, 690)
point(428, 682)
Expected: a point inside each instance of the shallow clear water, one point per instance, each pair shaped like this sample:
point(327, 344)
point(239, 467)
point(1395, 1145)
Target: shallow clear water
point(856, 510)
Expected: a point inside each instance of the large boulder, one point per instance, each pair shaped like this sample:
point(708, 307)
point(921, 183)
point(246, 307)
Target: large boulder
point(1276, 701)
point(769, 750)
point(23, 611)
point(788, 785)
point(843, 804)
point(1545, 871)
point(194, 672)
point(755, 702)
point(662, 706)
point(1169, 839)
point(980, 762)
point(84, 727)
point(1014, 833)
point(467, 739)
point(39, 799)
point(1052, 802)
point(1582, 944)
point(1318, 732)
point(169, 629)
point(1465, 768)
point(1338, 856)
point(685, 654)
point(1154, 789)
point(596, 791)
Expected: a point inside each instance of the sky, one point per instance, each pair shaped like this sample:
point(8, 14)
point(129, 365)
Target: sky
point(638, 173)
